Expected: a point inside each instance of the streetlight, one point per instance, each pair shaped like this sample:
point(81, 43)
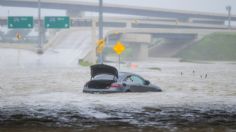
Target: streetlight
point(228, 8)
point(40, 50)
point(100, 27)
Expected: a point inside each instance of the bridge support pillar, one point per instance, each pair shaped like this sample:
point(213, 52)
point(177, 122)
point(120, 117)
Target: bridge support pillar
point(139, 42)
point(142, 52)
point(91, 57)
point(129, 24)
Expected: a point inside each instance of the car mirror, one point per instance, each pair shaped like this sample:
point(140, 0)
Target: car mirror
point(146, 82)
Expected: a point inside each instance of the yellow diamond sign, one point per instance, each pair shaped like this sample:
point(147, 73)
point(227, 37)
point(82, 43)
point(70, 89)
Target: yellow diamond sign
point(119, 48)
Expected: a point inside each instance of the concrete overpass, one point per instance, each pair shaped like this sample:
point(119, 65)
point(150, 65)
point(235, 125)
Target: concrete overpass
point(181, 38)
point(122, 22)
point(168, 33)
point(166, 23)
point(76, 6)
point(172, 34)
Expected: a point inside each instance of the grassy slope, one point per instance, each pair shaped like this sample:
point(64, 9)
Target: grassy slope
point(217, 46)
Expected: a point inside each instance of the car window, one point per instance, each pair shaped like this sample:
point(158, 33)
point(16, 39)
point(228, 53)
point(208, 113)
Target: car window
point(104, 77)
point(134, 79)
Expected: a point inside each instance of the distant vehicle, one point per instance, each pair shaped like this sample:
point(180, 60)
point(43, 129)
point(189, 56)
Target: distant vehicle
point(106, 79)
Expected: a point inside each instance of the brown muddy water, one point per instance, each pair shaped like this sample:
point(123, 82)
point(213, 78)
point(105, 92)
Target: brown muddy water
point(42, 98)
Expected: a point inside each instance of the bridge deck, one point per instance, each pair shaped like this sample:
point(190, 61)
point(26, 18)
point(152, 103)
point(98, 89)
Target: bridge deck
point(118, 9)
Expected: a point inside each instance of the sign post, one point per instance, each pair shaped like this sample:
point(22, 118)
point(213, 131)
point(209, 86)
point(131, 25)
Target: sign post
point(40, 47)
point(228, 8)
point(99, 49)
point(119, 48)
point(101, 27)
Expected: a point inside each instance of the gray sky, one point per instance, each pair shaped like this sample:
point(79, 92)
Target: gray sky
point(215, 6)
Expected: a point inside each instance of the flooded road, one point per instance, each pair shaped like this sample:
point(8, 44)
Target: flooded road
point(37, 98)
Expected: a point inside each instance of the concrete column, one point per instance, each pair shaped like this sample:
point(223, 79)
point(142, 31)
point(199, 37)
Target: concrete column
point(140, 43)
point(91, 57)
point(129, 24)
point(142, 52)
point(44, 37)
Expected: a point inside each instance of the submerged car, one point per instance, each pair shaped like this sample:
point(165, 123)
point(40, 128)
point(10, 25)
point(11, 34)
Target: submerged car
point(106, 79)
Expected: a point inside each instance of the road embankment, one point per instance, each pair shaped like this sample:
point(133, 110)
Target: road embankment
point(216, 46)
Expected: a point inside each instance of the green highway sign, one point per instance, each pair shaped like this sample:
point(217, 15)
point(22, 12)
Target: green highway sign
point(57, 22)
point(20, 22)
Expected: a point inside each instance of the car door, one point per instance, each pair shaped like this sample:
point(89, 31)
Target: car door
point(136, 83)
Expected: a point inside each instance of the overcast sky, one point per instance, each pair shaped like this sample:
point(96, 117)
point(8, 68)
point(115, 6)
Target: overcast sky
point(215, 6)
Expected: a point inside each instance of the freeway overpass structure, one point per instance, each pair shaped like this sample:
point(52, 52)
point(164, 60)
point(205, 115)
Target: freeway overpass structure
point(147, 23)
point(183, 31)
point(180, 38)
point(73, 7)
point(160, 18)
point(122, 22)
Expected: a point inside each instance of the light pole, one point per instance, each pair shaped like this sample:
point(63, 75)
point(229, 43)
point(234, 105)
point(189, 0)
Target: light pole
point(101, 27)
point(228, 8)
point(40, 50)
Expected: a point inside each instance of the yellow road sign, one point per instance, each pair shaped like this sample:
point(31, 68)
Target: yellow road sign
point(100, 45)
point(100, 42)
point(119, 48)
point(18, 36)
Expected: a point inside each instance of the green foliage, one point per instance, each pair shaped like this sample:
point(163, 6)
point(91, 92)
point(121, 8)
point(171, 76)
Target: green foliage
point(155, 68)
point(84, 63)
point(216, 46)
point(127, 53)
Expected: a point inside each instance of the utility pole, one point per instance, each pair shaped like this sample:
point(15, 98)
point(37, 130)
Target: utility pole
point(101, 27)
point(40, 50)
point(228, 8)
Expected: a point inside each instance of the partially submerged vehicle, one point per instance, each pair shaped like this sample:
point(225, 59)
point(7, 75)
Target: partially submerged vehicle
point(106, 79)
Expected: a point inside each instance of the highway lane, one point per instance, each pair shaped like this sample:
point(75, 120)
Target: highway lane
point(66, 49)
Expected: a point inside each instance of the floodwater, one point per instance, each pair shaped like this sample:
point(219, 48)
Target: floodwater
point(39, 98)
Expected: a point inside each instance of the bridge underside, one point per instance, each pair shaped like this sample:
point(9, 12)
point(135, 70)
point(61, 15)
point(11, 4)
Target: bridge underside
point(141, 46)
point(171, 44)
